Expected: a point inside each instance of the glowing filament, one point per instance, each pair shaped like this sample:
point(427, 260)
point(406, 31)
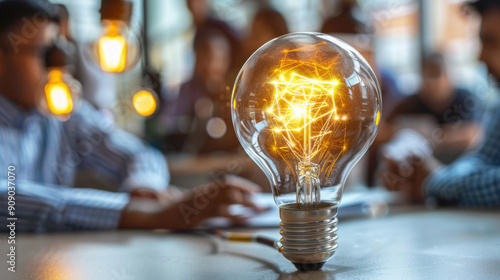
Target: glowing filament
point(298, 112)
point(304, 119)
point(112, 50)
point(302, 112)
point(58, 95)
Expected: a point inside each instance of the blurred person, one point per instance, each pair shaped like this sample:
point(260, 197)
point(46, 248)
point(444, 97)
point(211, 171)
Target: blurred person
point(474, 179)
point(204, 100)
point(456, 112)
point(391, 96)
point(204, 21)
point(45, 153)
point(185, 130)
point(266, 25)
point(344, 21)
point(346, 26)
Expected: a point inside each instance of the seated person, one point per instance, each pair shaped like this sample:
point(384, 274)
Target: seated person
point(205, 19)
point(474, 179)
point(45, 153)
point(344, 20)
point(455, 112)
point(204, 100)
point(266, 25)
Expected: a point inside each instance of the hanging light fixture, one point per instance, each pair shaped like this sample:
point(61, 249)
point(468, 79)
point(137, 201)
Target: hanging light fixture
point(118, 48)
point(62, 91)
point(146, 100)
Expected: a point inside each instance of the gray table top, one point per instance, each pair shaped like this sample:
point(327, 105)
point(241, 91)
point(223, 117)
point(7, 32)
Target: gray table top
point(409, 243)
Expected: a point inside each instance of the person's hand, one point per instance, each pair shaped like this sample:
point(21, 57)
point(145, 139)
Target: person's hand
point(408, 175)
point(406, 162)
point(186, 209)
point(164, 198)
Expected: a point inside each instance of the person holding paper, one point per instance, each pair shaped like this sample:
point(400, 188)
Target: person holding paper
point(474, 179)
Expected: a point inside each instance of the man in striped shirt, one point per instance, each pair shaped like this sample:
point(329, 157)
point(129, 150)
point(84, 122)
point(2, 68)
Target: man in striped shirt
point(474, 179)
point(45, 153)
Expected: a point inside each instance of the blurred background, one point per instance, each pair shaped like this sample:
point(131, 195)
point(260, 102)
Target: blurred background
point(424, 52)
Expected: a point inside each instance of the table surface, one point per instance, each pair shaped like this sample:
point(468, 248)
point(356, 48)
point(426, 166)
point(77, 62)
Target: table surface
point(408, 243)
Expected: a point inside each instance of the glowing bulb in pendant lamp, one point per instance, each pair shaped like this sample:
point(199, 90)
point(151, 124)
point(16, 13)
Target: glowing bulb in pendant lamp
point(58, 95)
point(112, 50)
point(118, 48)
point(61, 91)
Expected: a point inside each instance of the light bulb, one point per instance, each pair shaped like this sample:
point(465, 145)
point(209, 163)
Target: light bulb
point(145, 103)
point(305, 107)
point(61, 93)
point(117, 49)
point(112, 50)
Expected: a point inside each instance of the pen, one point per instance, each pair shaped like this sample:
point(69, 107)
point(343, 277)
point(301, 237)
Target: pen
point(248, 237)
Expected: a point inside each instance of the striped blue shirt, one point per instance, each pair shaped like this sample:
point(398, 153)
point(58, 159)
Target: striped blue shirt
point(474, 179)
point(46, 154)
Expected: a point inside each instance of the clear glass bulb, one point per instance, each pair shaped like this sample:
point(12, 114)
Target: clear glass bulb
point(117, 49)
point(306, 107)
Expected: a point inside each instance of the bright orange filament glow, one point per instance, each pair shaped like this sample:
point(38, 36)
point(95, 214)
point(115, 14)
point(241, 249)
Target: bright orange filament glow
point(306, 117)
point(302, 112)
point(112, 49)
point(58, 95)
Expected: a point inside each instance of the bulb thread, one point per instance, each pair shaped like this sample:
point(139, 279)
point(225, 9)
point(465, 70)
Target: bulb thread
point(308, 236)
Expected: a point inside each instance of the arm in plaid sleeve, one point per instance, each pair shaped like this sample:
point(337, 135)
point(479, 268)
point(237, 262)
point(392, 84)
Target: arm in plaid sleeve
point(473, 180)
point(118, 153)
point(42, 208)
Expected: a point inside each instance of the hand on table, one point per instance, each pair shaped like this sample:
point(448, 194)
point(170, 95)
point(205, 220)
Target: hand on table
point(184, 209)
point(406, 162)
point(408, 176)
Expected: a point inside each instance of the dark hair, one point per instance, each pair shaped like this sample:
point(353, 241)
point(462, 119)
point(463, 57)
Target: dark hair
point(205, 35)
point(13, 11)
point(433, 64)
point(435, 57)
point(274, 20)
point(481, 6)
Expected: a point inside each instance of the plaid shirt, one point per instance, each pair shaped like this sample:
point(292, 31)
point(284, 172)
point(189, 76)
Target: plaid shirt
point(46, 154)
point(474, 179)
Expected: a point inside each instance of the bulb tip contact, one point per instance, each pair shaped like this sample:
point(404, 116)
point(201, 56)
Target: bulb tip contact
point(309, 266)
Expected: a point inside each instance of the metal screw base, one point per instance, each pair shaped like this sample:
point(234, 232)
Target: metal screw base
point(309, 237)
